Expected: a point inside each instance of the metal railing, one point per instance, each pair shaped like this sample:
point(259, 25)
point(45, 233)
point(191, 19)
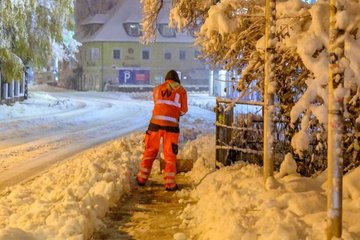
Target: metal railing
point(13, 91)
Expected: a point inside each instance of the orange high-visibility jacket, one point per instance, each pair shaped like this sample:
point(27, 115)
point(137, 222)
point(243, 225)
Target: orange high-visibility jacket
point(170, 102)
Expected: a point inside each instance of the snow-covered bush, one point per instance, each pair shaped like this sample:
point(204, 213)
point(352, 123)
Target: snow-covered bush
point(28, 30)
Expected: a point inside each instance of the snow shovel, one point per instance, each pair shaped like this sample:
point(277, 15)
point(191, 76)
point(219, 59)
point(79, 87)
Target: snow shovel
point(182, 165)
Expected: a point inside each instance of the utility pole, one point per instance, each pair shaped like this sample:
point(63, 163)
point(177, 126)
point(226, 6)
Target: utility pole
point(269, 89)
point(335, 124)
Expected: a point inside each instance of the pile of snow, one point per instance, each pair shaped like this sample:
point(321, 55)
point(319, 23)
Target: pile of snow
point(68, 201)
point(234, 203)
point(37, 104)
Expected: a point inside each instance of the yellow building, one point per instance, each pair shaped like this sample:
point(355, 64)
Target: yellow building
point(112, 58)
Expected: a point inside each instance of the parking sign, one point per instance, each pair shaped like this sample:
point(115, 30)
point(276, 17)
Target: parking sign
point(127, 76)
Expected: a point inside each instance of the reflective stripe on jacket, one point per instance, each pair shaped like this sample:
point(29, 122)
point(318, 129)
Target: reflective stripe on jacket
point(170, 102)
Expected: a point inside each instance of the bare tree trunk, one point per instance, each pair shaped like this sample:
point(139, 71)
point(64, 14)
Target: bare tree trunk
point(335, 125)
point(269, 90)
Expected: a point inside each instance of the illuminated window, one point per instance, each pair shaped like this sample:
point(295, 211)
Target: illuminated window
point(166, 31)
point(133, 29)
point(116, 54)
point(145, 54)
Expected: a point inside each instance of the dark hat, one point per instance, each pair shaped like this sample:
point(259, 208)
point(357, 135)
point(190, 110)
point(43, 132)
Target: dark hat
point(172, 75)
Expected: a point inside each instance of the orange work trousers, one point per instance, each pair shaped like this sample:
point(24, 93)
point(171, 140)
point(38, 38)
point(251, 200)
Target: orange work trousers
point(170, 149)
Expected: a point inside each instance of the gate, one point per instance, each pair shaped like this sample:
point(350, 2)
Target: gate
point(239, 131)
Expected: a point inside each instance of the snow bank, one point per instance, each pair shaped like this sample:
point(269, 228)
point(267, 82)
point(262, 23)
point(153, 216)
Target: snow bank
point(37, 104)
point(232, 202)
point(69, 200)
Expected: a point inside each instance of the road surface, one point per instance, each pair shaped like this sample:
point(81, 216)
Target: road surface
point(29, 145)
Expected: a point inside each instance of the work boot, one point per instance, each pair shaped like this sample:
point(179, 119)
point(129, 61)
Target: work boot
point(140, 181)
point(171, 189)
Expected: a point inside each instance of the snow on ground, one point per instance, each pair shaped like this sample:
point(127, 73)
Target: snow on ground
point(69, 199)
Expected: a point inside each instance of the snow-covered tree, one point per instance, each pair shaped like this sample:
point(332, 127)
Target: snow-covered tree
point(230, 34)
point(28, 30)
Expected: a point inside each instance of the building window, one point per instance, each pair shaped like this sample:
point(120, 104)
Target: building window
point(182, 55)
point(167, 55)
point(116, 54)
point(145, 54)
point(166, 31)
point(94, 53)
point(133, 29)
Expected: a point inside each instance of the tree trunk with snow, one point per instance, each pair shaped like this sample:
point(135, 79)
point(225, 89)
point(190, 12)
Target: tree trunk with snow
point(269, 89)
point(336, 93)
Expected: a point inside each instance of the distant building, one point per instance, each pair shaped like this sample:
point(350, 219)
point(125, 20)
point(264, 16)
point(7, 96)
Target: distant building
point(111, 56)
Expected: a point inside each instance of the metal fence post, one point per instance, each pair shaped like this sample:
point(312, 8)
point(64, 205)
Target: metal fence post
point(17, 90)
point(12, 91)
point(223, 134)
point(229, 119)
point(5, 90)
point(219, 119)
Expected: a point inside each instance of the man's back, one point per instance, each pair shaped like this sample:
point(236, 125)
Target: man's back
point(170, 102)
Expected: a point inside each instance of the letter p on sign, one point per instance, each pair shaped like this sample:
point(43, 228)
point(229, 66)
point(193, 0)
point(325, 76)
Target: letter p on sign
point(127, 76)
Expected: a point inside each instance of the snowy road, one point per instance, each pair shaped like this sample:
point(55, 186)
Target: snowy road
point(31, 142)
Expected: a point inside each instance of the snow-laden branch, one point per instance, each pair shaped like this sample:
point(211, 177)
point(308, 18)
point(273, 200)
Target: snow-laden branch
point(151, 10)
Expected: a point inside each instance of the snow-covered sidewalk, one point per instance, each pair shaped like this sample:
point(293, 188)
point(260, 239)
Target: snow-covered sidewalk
point(148, 212)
